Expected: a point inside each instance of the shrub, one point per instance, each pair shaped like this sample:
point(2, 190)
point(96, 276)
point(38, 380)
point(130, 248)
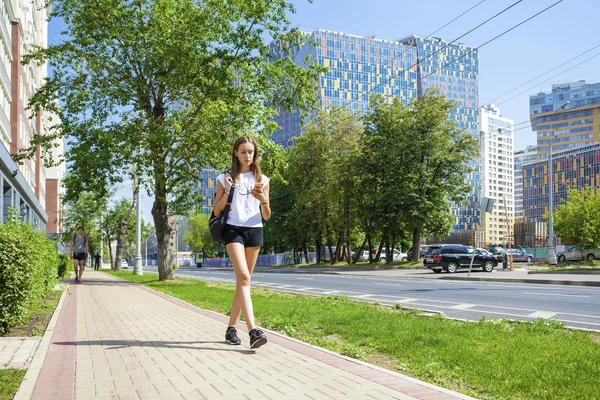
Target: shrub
point(64, 263)
point(28, 266)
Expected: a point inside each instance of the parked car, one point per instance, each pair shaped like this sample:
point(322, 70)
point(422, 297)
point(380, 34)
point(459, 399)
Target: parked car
point(124, 264)
point(519, 255)
point(572, 253)
point(364, 256)
point(452, 258)
point(397, 255)
point(497, 250)
point(422, 252)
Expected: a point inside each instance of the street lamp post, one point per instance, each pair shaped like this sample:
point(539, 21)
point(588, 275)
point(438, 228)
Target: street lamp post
point(552, 247)
point(137, 266)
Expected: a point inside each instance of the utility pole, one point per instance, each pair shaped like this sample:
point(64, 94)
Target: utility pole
point(552, 248)
point(508, 230)
point(137, 266)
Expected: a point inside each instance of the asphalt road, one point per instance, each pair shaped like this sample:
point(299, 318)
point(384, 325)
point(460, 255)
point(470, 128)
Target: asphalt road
point(578, 307)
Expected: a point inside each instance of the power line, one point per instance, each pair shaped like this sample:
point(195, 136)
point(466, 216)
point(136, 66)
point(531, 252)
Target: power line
point(539, 76)
point(553, 76)
point(457, 58)
point(436, 31)
point(434, 53)
point(489, 41)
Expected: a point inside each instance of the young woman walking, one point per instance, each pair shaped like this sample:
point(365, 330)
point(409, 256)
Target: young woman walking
point(79, 251)
point(244, 230)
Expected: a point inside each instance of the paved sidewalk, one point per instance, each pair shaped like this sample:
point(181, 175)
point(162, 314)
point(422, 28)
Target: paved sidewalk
point(134, 343)
point(17, 352)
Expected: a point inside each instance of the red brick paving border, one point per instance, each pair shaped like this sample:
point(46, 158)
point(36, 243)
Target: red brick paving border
point(57, 377)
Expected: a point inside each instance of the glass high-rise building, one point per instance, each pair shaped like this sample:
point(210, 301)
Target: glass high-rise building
point(575, 126)
point(360, 66)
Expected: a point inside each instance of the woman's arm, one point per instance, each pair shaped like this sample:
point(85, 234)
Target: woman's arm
point(222, 195)
point(263, 198)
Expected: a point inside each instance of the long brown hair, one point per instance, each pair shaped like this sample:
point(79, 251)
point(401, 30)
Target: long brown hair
point(235, 163)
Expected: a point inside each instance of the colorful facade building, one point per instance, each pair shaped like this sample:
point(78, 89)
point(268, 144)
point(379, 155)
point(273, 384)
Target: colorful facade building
point(578, 168)
point(522, 158)
point(207, 188)
point(575, 126)
point(363, 66)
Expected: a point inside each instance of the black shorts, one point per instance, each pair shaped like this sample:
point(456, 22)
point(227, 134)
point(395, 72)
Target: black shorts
point(79, 256)
point(249, 237)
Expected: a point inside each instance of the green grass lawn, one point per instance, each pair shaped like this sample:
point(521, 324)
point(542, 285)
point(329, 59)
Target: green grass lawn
point(10, 379)
point(490, 359)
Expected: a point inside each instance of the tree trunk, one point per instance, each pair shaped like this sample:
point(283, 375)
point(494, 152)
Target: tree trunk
point(296, 258)
point(378, 257)
point(161, 224)
point(338, 249)
point(370, 248)
point(360, 250)
point(318, 244)
point(330, 248)
point(121, 231)
point(388, 252)
point(307, 260)
point(417, 242)
point(349, 248)
point(112, 261)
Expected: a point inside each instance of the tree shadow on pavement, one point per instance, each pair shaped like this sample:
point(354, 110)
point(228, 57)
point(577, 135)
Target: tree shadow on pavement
point(121, 344)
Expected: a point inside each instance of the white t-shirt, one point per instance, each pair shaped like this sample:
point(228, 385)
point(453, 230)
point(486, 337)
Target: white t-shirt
point(245, 208)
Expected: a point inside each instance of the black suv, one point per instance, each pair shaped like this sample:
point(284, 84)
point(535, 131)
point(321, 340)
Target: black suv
point(452, 258)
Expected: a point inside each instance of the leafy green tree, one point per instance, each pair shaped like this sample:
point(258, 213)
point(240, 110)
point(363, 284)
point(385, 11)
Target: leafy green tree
point(152, 86)
point(84, 211)
point(383, 170)
point(308, 178)
point(198, 236)
point(577, 220)
point(437, 164)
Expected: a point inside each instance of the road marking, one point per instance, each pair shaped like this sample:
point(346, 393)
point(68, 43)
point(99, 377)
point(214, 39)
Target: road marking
point(407, 300)
point(542, 314)
point(303, 289)
point(556, 294)
point(305, 279)
point(333, 291)
point(387, 284)
point(463, 306)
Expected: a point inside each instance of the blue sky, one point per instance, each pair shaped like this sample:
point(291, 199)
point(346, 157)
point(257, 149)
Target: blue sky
point(561, 33)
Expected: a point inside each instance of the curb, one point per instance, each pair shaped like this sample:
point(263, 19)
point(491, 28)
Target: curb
point(28, 384)
point(280, 335)
point(536, 281)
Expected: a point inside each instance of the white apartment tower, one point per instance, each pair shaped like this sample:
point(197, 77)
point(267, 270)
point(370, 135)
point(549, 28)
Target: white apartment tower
point(497, 174)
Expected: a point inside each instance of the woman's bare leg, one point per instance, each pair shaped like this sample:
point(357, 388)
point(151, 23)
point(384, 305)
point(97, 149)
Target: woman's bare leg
point(242, 282)
point(251, 254)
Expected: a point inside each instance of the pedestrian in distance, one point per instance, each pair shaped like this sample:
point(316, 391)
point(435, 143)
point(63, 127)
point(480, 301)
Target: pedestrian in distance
point(79, 251)
point(243, 235)
point(97, 261)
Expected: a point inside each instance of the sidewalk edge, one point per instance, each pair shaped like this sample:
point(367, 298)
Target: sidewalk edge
point(31, 376)
point(332, 353)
